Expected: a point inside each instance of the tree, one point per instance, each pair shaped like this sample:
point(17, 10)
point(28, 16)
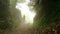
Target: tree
point(47, 12)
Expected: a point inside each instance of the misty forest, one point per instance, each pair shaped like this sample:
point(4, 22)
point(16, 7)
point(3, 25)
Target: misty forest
point(29, 16)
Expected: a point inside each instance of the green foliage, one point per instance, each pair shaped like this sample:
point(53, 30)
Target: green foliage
point(4, 25)
point(49, 10)
point(4, 5)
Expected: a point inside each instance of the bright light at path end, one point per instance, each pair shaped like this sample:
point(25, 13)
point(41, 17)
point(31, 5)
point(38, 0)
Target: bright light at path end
point(25, 11)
